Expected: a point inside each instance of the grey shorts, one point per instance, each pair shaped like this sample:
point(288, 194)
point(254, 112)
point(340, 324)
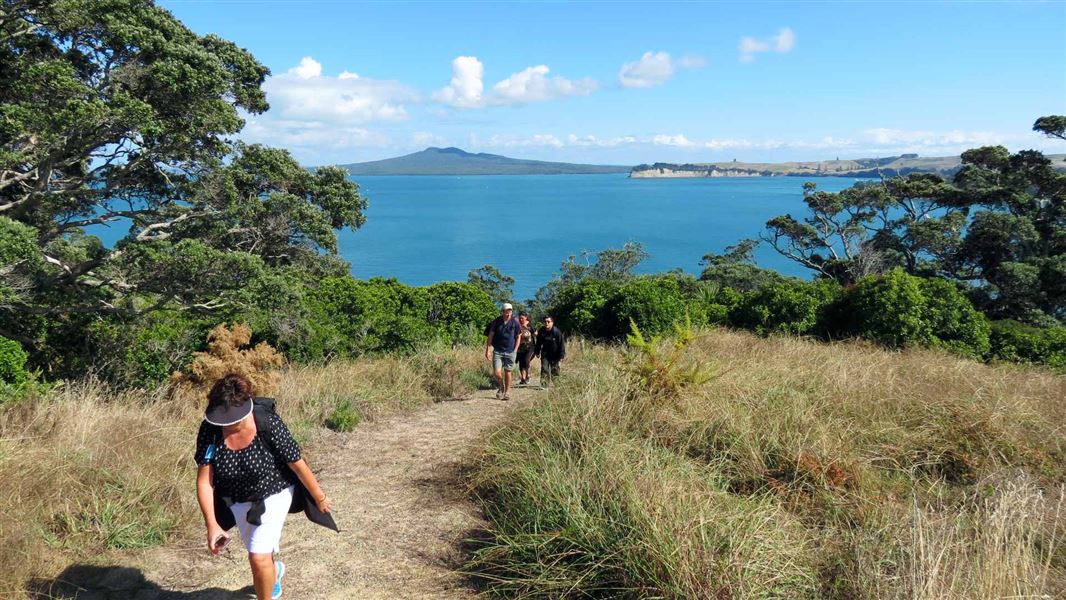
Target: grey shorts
point(503, 360)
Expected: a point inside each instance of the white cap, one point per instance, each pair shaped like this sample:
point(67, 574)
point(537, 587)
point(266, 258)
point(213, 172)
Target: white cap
point(507, 306)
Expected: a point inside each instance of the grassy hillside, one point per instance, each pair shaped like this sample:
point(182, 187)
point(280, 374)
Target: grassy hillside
point(90, 473)
point(453, 161)
point(799, 471)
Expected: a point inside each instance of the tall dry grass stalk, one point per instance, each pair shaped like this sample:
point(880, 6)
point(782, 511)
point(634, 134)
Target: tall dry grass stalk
point(1001, 546)
point(828, 447)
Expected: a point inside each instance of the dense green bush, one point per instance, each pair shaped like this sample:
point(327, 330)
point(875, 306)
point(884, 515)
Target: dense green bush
point(655, 304)
point(1017, 342)
point(953, 320)
point(353, 317)
point(580, 307)
point(144, 353)
point(459, 310)
point(603, 308)
point(901, 310)
point(12, 362)
point(786, 306)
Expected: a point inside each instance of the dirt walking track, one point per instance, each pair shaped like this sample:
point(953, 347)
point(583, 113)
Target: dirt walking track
point(398, 496)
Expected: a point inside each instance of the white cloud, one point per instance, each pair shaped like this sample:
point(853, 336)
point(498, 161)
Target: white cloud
point(783, 42)
point(655, 68)
point(424, 138)
point(303, 136)
point(307, 68)
point(465, 88)
point(672, 140)
point(532, 84)
point(882, 139)
point(899, 137)
point(593, 141)
point(652, 69)
point(304, 93)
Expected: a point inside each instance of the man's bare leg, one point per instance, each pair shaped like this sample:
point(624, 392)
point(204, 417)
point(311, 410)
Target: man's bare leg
point(497, 374)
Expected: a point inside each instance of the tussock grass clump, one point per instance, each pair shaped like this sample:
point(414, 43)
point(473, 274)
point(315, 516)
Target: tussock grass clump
point(804, 470)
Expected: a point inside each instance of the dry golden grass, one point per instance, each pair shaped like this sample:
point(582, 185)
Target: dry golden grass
point(846, 470)
point(87, 470)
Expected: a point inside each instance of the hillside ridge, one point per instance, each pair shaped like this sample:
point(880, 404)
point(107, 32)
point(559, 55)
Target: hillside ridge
point(456, 161)
point(890, 166)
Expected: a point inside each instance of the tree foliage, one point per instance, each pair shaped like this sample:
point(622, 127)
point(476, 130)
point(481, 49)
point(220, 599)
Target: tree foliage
point(498, 286)
point(113, 113)
point(736, 269)
point(999, 227)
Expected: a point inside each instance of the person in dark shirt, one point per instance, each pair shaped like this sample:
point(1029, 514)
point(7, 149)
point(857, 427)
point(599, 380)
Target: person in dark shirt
point(501, 348)
point(551, 348)
point(525, 348)
point(255, 471)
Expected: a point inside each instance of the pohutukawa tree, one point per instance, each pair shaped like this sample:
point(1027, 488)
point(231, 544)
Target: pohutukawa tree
point(999, 227)
point(113, 113)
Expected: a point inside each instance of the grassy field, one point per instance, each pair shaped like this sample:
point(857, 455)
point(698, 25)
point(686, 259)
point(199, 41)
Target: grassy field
point(88, 471)
point(799, 470)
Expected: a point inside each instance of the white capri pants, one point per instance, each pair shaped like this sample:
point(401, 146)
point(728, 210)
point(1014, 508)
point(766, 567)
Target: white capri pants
point(265, 538)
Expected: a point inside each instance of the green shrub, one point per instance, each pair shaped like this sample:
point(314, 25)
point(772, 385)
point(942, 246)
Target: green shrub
point(1017, 342)
point(901, 310)
point(955, 323)
point(143, 353)
point(12, 362)
point(355, 317)
point(787, 306)
point(603, 309)
point(345, 417)
point(889, 309)
point(579, 308)
point(452, 307)
point(655, 304)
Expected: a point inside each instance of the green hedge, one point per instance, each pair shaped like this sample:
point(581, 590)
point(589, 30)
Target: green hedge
point(901, 310)
point(1016, 342)
point(795, 307)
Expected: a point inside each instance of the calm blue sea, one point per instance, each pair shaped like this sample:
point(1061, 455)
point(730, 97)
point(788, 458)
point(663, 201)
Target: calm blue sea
point(421, 230)
point(427, 229)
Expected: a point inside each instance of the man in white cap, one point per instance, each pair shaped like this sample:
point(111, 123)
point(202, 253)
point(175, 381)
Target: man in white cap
point(501, 347)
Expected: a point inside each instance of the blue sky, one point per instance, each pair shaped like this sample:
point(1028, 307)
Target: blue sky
point(634, 82)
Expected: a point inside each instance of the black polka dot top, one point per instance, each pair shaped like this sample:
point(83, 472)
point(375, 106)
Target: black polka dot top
point(254, 472)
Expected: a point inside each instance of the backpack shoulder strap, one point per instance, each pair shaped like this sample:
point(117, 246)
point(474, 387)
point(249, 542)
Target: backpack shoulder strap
point(262, 408)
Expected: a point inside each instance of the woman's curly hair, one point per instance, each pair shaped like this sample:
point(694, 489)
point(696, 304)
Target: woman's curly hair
point(231, 390)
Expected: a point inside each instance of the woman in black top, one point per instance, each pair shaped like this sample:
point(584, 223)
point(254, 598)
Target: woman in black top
point(254, 471)
point(525, 348)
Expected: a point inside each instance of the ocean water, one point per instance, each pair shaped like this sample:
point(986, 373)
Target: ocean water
point(421, 230)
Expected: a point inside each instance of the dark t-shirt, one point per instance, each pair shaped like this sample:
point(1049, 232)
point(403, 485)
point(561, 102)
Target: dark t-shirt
point(505, 334)
point(254, 472)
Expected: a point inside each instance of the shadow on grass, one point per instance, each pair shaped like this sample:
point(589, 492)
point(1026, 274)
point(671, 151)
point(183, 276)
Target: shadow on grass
point(91, 582)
